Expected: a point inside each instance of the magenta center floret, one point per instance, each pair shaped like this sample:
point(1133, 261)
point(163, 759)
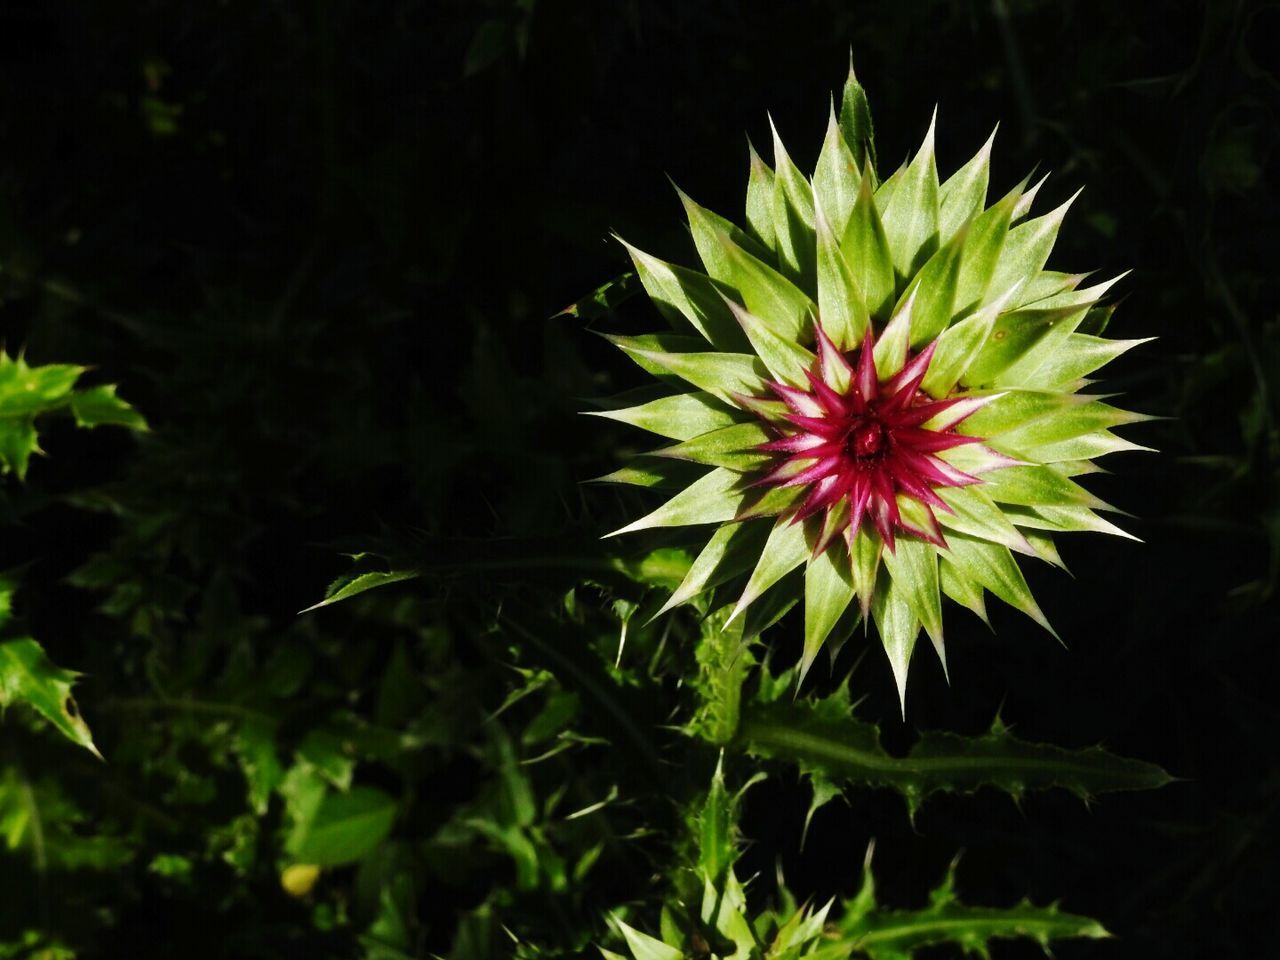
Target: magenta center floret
point(859, 445)
point(867, 438)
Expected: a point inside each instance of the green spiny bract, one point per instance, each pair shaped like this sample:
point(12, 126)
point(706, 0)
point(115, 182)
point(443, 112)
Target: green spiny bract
point(886, 386)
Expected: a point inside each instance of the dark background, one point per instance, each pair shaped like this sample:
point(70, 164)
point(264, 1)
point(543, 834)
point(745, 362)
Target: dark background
point(318, 245)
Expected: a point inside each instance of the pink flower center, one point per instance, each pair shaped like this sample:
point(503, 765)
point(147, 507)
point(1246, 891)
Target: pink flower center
point(868, 438)
point(865, 444)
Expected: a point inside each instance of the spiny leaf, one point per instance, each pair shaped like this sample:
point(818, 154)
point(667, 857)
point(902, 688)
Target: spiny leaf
point(17, 444)
point(724, 661)
point(824, 739)
point(881, 934)
point(716, 822)
point(604, 299)
point(26, 390)
point(99, 406)
point(27, 675)
point(354, 583)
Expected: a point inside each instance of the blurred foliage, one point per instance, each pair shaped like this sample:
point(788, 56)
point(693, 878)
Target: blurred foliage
point(317, 246)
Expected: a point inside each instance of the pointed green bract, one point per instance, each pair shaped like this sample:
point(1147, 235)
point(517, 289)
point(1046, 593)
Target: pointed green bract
point(837, 177)
point(1027, 248)
point(732, 550)
point(855, 122)
point(712, 234)
point(785, 550)
point(993, 566)
point(911, 213)
point(963, 196)
point(732, 446)
point(686, 295)
point(866, 248)
point(786, 359)
point(841, 306)
point(892, 347)
point(913, 565)
point(983, 248)
point(975, 514)
point(792, 218)
point(680, 417)
point(898, 627)
point(955, 583)
point(828, 588)
point(934, 291)
point(957, 348)
point(724, 375)
point(1080, 356)
point(715, 498)
point(760, 200)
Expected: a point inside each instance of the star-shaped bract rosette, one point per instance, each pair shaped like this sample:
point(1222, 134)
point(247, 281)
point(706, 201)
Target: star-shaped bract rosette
point(885, 383)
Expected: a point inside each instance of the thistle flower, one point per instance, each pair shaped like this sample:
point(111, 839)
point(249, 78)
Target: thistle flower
point(886, 387)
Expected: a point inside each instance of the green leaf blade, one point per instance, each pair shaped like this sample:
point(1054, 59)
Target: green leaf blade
point(27, 675)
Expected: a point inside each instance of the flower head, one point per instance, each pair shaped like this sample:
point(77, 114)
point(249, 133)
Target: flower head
point(886, 386)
